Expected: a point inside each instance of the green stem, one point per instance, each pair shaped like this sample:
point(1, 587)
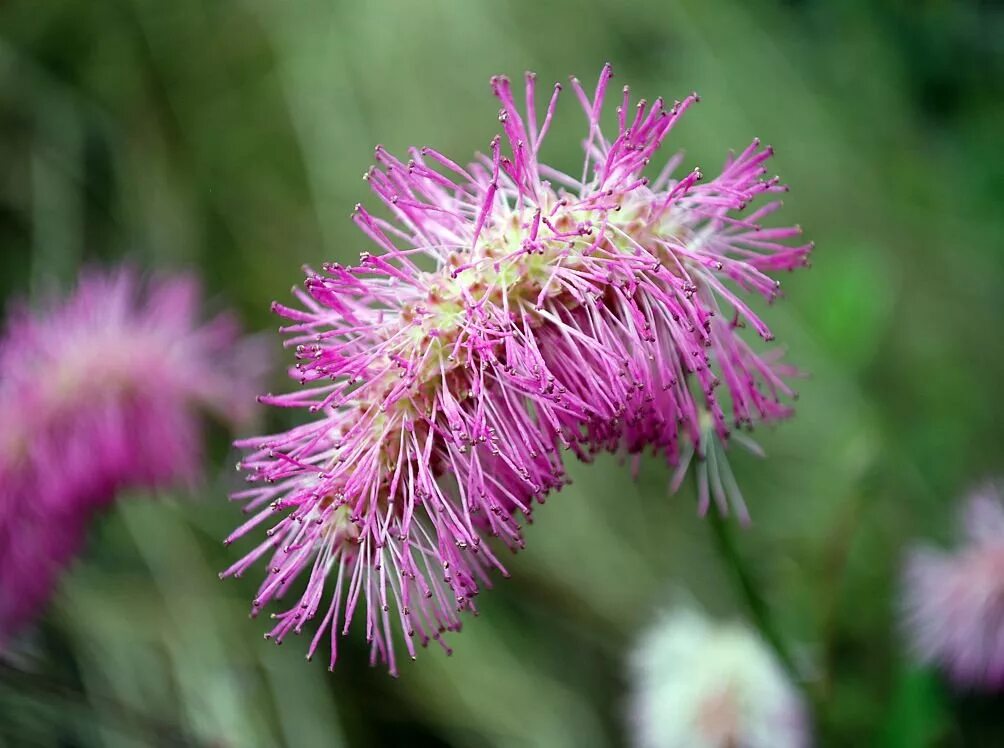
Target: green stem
point(758, 608)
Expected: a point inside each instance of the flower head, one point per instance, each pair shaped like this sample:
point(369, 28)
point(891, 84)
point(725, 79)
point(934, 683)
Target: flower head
point(953, 603)
point(509, 312)
point(100, 392)
point(700, 684)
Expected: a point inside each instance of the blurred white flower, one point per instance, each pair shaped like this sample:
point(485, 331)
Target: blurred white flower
point(701, 684)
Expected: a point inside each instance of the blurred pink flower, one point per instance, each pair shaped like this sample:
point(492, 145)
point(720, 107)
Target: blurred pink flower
point(101, 392)
point(510, 312)
point(953, 603)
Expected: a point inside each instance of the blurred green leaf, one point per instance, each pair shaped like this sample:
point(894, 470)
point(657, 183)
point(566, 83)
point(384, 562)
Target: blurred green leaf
point(917, 712)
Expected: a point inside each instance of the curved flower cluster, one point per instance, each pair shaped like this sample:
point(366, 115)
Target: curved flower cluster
point(99, 392)
point(954, 602)
point(696, 683)
point(509, 312)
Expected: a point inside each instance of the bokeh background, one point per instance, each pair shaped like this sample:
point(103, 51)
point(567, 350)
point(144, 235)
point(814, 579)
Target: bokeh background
point(229, 136)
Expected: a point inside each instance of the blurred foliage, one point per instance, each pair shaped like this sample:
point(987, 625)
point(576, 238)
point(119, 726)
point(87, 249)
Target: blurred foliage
point(231, 136)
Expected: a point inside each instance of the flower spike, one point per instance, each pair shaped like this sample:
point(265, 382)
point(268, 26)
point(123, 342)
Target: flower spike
point(509, 313)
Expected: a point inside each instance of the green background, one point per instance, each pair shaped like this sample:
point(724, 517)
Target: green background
point(230, 137)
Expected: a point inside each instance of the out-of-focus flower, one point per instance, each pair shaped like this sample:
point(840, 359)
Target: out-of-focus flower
point(953, 603)
point(510, 312)
point(101, 392)
point(700, 684)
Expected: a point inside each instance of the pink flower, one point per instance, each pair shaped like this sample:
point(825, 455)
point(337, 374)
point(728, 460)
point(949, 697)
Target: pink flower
point(511, 312)
point(100, 392)
point(953, 603)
